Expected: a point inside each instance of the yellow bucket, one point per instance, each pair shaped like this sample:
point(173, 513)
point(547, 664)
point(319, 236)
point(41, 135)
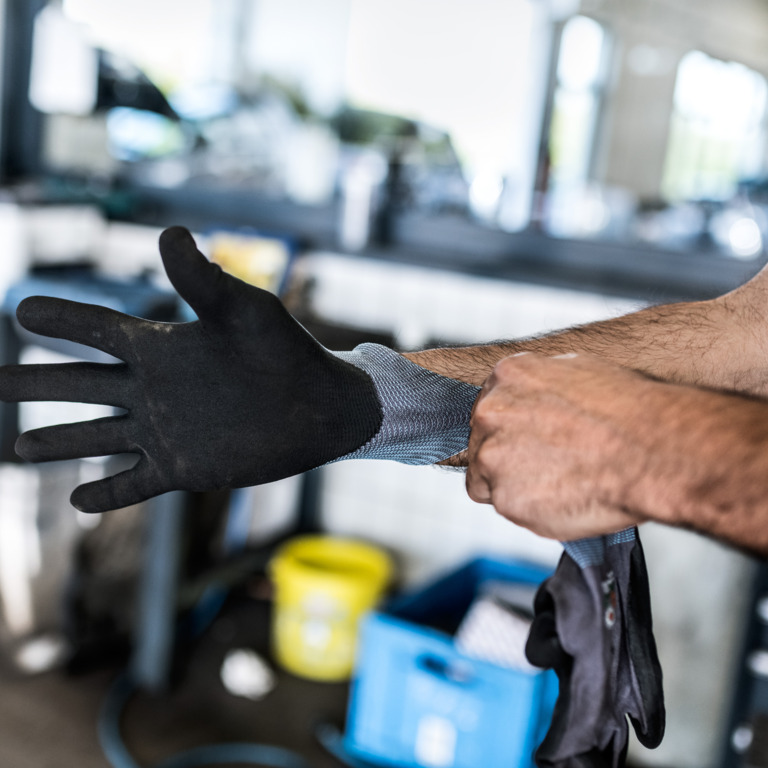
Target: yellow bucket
point(323, 586)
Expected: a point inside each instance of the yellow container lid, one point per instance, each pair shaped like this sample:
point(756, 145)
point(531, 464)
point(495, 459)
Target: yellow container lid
point(332, 562)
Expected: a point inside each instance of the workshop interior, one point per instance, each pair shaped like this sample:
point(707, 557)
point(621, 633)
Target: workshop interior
point(414, 173)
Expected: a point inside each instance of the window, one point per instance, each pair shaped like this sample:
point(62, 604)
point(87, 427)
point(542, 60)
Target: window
point(717, 130)
point(578, 94)
point(469, 71)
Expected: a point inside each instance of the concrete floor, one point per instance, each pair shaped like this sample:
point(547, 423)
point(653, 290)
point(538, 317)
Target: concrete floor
point(50, 720)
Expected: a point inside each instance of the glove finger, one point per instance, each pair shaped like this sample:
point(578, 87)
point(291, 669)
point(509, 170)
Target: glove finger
point(106, 384)
point(198, 281)
point(100, 437)
point(121, 490)
point(649, 721)
point(543, 648)
point(88, 324)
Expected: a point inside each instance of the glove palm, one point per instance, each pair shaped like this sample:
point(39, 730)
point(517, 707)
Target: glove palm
point(242, 396)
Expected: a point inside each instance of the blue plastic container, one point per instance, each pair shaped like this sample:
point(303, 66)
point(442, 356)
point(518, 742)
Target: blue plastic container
point(416, 701)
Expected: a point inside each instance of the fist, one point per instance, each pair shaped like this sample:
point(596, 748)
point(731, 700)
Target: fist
point(554, 446)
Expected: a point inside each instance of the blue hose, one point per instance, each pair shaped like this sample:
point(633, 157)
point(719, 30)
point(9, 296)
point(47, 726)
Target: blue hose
point(118, 756)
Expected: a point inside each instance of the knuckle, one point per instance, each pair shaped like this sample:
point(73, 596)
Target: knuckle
point(513, 501)
point(511, 512)
point(494, 416)
point(506, 367)
point(519, 372)
point(482, 412)
point(473, 492)
point(482, 458)
point(477, 488)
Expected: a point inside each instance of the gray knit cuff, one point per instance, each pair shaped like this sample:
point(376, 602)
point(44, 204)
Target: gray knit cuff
point(592, 551)
point(425, 415)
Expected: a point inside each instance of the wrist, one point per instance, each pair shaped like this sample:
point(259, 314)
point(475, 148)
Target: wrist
point(742, 348)
point(658, 468)
point(425, 414)
point(471, 365)
point(702, 464)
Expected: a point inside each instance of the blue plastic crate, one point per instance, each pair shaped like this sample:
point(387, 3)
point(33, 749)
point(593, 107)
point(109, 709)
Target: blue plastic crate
point(417, 701)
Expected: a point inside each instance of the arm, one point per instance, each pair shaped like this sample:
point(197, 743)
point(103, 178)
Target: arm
point(575, 446)
point(720, 343)
point(241, 396)
point(676, 454)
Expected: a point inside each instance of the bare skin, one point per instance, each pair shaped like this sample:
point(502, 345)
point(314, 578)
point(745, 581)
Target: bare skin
point(573, 447)
point(720, 343)
point(576, 446)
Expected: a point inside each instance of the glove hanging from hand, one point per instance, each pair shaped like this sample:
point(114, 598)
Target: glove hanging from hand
point(593, 626)
point(242, 396)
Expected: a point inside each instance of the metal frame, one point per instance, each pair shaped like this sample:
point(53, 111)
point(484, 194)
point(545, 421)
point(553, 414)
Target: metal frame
point(20, 123)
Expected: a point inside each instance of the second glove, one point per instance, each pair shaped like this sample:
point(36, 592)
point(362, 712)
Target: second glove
point(593, 627)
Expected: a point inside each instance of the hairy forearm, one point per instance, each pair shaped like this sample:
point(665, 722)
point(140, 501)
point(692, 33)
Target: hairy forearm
point(709, 343)
point(721, 343)
point(700, 461)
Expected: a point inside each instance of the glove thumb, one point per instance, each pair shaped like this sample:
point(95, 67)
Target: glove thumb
point(196, 280)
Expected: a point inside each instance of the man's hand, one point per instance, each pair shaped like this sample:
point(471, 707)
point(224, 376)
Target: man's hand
point(242, 396)
point(548, 448)
point(572, 446)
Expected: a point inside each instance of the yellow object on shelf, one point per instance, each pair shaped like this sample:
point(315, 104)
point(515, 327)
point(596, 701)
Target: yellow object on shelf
point(257, 259)
point(323, 587)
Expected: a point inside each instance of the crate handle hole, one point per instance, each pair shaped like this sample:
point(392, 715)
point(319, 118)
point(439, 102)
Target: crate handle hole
point(453, 672)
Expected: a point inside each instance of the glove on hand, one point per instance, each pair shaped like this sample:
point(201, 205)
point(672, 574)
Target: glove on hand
point(593, 627)
point(242, 396)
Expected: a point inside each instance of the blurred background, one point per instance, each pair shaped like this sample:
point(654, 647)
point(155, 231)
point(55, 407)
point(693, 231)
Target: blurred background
point(412, 172)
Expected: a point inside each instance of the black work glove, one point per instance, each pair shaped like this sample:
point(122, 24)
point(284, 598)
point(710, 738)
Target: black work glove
point(593, 626)
point(240, 397)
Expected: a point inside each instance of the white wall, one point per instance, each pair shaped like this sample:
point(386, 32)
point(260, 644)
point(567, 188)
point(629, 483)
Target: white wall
point(652, 37)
